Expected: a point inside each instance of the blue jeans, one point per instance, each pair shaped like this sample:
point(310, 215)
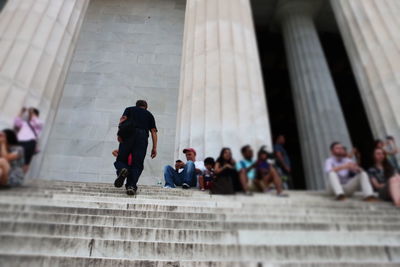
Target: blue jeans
point(174, 178)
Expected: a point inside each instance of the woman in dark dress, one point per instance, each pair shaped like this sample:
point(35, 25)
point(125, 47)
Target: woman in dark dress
point(384, 178)
point(227, 180)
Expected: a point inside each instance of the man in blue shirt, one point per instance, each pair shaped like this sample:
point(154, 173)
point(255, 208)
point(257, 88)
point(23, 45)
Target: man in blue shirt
point(246, 168)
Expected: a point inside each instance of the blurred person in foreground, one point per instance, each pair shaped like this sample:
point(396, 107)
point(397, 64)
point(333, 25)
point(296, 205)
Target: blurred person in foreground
point(28, 127)
point(345, 177)
point(384, 178)
point(11, 159)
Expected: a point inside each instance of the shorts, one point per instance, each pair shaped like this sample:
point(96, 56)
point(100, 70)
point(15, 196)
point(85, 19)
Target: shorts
point(29, 150)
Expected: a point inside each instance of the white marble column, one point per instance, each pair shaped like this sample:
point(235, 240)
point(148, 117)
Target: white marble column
point(370, 30)
point(318, 111)
point(221, 97)
point(37, 41)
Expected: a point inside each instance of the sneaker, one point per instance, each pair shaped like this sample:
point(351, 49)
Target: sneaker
point(167, 187)
point(203, 189)
point(185, 186)
point(131, 190)
point(340, 197)
point(119, 182)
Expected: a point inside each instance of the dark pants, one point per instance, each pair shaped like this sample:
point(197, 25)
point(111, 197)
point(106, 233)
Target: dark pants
point(29, 150)
point(137, 146)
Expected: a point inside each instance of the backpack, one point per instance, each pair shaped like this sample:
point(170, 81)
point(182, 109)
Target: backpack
point(223, 184)
point(127, 128)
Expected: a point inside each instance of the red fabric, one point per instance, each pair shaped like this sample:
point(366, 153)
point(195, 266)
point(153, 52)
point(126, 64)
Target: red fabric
point(130, 159)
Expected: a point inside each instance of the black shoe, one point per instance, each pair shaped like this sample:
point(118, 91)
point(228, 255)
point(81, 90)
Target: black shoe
point(130, 190)
point(119, 182)
point(185, 186)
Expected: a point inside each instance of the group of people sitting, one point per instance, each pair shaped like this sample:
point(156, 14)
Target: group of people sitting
point(18, 146)
point(345, 175)
point(225, 175)
point(343, 172)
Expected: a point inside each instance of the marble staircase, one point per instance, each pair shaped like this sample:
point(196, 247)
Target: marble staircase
point(55, 223)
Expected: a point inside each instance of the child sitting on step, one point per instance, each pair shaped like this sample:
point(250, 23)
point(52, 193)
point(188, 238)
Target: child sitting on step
point(208, 175)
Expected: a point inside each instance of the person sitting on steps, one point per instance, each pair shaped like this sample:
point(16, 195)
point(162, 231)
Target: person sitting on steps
point(345, 177)
point(267, 174)
point(188, 176)
point(207, 177)
point(384, 178)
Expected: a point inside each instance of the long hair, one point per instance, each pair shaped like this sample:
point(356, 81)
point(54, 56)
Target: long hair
point(11, 137)
point(388, 169)
point(221, 159)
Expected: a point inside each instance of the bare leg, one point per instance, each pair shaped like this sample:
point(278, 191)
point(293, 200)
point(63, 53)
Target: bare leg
point(5, 168)
point(244, 180)
point(276, 180)
point(394, 188)
point(201, 182)
point(25, 168)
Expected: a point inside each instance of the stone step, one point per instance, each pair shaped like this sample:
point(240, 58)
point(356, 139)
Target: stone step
point(259, 201)
point(189, 223)
point(280, 226)
point(196, 207)
point(266, 236)
point(111, 212)
point(22, 260)
point(81, 247)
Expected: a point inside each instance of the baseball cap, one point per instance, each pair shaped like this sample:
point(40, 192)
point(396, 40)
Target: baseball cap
point(189, 150)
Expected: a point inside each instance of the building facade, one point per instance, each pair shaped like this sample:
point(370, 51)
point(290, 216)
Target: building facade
point(200, 64)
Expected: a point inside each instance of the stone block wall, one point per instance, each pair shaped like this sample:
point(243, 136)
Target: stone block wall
point(127, 50)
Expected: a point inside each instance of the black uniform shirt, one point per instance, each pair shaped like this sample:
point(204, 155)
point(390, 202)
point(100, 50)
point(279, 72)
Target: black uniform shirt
point(142, 118)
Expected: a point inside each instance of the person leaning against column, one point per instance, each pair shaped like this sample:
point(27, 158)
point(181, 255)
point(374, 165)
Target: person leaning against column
point(345, 177)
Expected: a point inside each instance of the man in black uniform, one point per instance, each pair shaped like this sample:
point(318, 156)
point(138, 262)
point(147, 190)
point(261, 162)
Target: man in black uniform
point(134, 145)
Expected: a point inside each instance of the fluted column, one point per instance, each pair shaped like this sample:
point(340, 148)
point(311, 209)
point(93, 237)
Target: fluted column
point(318, 110)
point(37, 41)
point(221, 97)
point(370, 31)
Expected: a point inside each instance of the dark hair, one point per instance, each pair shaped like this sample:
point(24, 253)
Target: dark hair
point(209, 161)
point(388, 169)
point(177, 161)
point(277, 136)
point(11, 137)
point(35, 111)
point(244, 148)
point(389, 137)
point(376, 142)
point(332, 146)
point(141, 103)
point(262, 150)
point(221, 159)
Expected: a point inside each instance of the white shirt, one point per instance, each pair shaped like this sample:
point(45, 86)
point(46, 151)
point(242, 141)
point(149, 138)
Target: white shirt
point(199, 165)
point(334, 162)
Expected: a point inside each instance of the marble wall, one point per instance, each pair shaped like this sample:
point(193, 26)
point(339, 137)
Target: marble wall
point(127, 50)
